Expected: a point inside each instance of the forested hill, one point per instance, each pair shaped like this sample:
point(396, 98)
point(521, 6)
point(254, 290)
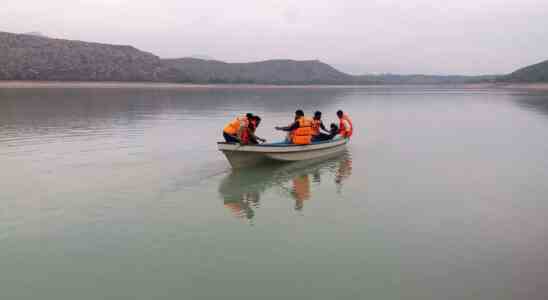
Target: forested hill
point(32, 57)
point(533, 73)
point(37, 57)
point(265, 72)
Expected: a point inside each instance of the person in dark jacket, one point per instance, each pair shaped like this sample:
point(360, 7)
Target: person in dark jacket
point(293, 126)
point(298, 114)
point(334, 130)
point(254, 139)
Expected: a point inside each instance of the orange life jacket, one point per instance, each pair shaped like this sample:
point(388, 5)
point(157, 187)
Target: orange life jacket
point(345, 133)
point(234, 126)
point(303, 134)
point(316, 127)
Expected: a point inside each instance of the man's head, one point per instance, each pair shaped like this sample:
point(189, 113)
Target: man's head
point(318, 115)
point(249, 116)
point(334, 127)
point(340, 113)
point(299, 113)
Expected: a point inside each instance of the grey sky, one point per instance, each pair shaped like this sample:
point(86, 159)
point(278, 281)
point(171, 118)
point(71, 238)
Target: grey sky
point(357, 36)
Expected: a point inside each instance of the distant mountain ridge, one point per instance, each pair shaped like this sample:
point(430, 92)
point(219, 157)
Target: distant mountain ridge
point(30, 57)
point(281, 71)
point(423, 79)
point(36, 57)
point(533, 73)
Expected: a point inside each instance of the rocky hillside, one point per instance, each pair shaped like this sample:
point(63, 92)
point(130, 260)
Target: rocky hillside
point(34, 56)
point(31, 57)
point(533, 73)
point(265, 72)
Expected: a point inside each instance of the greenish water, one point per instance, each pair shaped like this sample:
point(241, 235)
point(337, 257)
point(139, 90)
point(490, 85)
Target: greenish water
point(121, 194)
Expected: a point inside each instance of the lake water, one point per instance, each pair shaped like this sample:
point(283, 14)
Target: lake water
point(120, 193)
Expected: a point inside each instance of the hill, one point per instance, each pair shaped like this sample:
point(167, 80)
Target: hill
point(36, 57)
point(264, 72)
point(31, 57)
point(533, 73)
point(422, 79)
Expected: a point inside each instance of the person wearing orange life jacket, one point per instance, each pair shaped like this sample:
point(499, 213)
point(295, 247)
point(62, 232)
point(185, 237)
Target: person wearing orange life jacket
point(248, 135)
point(300, 131)
point(289, 137)
point(345, 124)
point(317, 126)
point(232, 132)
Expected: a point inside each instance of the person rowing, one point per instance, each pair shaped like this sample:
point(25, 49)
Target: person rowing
point(300, 131)
point(248, 136)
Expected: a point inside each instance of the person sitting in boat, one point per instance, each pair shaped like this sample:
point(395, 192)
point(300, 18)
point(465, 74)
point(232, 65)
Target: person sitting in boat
point(345, 124)
point(332, 134)
point(232, 132)
point(300, 132)
point(317, 126)
point(248, 136)
point(334, 131)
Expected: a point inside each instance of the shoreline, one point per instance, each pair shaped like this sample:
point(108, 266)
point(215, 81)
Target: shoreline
point(22, 84)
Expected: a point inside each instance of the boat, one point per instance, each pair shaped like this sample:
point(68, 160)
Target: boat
point(248, 155)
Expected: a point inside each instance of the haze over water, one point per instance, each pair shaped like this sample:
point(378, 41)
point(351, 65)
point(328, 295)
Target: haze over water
point(121, 194)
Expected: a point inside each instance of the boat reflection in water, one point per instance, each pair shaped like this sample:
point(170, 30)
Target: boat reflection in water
point(242, 188)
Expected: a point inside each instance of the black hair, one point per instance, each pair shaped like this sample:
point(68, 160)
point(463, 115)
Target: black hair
point(318, 113)
point(339, 113)
point(299, 112)
point(249, 115)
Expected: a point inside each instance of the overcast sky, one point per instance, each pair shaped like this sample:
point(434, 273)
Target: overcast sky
point(357, 36)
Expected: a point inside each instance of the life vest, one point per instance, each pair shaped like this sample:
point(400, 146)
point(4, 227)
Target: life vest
point(345, 133)
point(303, 134)
point(316, 127)
point(233, 128)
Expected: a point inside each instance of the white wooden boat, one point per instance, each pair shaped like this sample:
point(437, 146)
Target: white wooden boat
point(247, 155)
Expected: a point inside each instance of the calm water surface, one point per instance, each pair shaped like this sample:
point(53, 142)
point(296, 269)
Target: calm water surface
point(121, 194)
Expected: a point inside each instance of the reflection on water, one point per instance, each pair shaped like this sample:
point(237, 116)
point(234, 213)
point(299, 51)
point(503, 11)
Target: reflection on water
point(242, 188)
point(301, 190)
point(343, 173)
point(533, 102)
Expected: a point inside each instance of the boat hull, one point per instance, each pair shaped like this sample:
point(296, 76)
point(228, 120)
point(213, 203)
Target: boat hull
point(248, 155)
